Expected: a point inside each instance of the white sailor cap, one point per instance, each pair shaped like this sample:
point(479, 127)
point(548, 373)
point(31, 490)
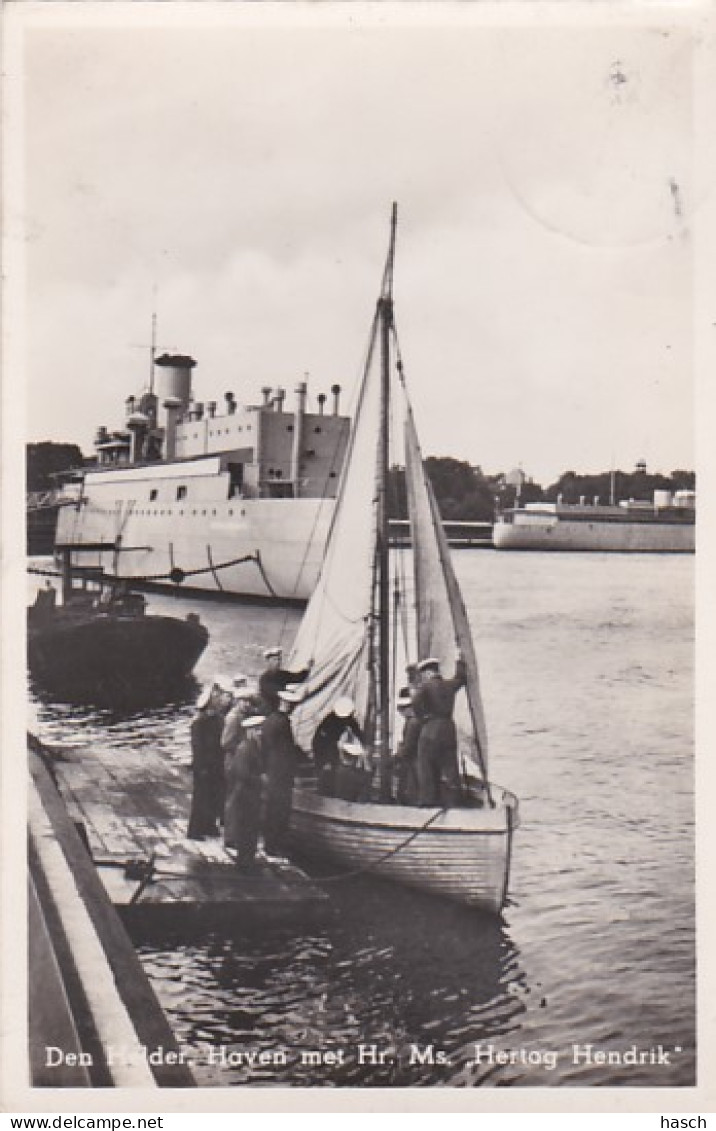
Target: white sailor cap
point(430, 664)
point(343, 707)
point(204, 698)
point(253, 721)
point(353, 747)
point(246, 692)
point(405, 699)
point(269, 653)
point(289, 696)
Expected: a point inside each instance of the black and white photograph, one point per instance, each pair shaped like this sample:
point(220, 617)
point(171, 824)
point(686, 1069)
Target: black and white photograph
point(350, 555)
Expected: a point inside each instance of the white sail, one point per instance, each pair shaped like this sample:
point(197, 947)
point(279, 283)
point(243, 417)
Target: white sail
point(442, 624)
point(334, 635)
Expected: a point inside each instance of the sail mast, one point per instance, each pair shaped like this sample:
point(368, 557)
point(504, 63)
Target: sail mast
point(385, 308)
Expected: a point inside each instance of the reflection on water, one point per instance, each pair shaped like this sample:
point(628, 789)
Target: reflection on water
point(430, 991)
point(587, 674)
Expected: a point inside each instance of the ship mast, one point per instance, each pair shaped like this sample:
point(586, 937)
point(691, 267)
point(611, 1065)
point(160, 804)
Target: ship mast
point(385, 312)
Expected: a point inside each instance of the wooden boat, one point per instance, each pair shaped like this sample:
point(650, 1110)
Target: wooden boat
point(372, 613)
point(101, 647)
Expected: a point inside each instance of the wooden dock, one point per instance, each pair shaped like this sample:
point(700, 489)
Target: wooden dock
point(132, 807)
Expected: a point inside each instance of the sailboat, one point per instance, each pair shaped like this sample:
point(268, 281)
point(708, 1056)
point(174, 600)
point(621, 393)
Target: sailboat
point(373, 611)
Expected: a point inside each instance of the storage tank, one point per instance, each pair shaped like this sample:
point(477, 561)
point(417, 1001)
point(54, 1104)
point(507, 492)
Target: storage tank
point(662, 499)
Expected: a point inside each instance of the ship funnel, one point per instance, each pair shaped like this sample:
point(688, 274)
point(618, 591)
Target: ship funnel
point(266, 394)
point(211, 409)
point(336, 391)
point(230, 403)
point(279, 399)
point(321, 398)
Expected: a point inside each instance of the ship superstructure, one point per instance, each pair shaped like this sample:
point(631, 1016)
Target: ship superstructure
point(666, 525)
point(237, 501)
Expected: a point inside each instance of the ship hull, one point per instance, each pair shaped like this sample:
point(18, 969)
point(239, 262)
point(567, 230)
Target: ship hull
point(622, 536)
point(459, 854)
point(113, 660)
point(259, 548)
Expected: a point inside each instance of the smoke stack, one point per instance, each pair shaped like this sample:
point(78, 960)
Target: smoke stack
point(199, 410)
point(266, 393)
point(279, 399)
point(321, 402)
point(211, 409)
point(230, 403)
point(336, 391)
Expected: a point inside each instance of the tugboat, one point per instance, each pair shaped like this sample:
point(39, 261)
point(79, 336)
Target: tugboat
point(101, 647)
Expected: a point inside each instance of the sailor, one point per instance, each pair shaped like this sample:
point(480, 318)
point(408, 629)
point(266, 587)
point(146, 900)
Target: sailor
point(325, 740)
point(207, 767)
point(245, 702)
point(406, 756)
point(275, 678)
point(242, 815)
point(280, 756)
point(353, 775)
point(433, 704)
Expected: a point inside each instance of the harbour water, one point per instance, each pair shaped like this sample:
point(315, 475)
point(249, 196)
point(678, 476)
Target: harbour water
point(589, 979)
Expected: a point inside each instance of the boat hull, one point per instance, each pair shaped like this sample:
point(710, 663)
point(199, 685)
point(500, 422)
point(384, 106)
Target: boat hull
point(115, 660)
point(461, 854)
point(267, 548)
point(566, 534)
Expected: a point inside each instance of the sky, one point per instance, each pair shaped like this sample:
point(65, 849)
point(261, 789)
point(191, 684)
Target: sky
point(236, 176)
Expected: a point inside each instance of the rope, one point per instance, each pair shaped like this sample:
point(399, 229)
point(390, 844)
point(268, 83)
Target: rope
point(176, 574)
point(386, 856)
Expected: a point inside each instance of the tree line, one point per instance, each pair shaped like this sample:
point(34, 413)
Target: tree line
point(465, 493)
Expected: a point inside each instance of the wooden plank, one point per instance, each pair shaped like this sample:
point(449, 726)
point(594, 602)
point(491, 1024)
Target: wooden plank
point(135, 806)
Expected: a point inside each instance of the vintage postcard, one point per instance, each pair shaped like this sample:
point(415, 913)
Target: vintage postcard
point(357, 557)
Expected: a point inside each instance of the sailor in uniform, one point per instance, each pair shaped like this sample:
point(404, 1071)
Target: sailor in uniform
point(207, 767)
point(434, 702)
point(275, 678)
point(242, 815)
point(280, 755)
point(338, 722)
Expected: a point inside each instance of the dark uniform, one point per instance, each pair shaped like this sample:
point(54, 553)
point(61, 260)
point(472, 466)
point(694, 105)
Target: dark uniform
point(207, 802)
point(407, 791)
point(325, 747)
point(242, 815)
point(274, 680)
point(433, 703)
point(279, 766)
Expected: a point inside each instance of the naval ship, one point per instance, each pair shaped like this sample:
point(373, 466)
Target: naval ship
point(237, 501)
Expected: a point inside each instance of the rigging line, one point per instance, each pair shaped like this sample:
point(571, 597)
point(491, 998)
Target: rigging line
point(217, 579)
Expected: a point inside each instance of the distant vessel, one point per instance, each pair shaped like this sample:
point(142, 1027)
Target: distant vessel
point(666, 525)
point(236, 503)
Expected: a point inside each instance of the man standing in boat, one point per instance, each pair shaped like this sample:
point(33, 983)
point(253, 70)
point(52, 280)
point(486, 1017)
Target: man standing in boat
point(276, 679)
point(279, 755)
point(406, 756)
point(433, 703)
